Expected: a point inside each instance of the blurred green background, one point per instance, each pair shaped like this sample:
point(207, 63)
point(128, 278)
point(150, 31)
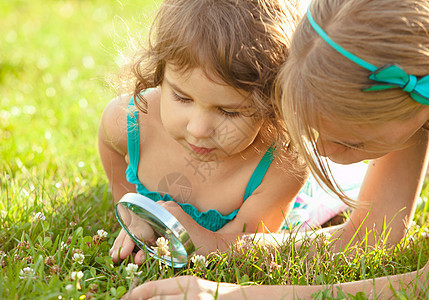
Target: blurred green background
point(54, 56)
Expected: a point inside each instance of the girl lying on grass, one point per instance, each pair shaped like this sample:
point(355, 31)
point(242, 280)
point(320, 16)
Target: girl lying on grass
point(201, 116)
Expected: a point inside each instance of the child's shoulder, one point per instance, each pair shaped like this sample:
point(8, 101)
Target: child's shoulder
point(116, 108)
point(113, 125)
point(112, 128)
point(119, 107)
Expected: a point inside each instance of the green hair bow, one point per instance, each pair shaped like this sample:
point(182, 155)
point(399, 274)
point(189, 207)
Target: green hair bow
point(391, 76)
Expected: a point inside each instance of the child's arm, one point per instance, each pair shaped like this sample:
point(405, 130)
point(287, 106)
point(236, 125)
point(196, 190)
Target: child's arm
point(112, 146)
point(197, 288)
point(389, 191)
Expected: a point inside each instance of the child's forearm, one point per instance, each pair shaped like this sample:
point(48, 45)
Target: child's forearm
point(213, 241)
point(204, 240)
point(380, 288)
point(191, 286)
point(390, 191)
point(386, 287)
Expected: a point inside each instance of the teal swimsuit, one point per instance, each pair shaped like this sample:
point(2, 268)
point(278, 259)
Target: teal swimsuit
point(211, 219)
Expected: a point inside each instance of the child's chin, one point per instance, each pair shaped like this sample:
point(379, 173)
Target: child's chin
point(207, 157)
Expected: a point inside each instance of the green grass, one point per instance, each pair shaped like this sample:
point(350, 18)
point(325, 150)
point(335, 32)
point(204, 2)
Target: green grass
point(54, 56)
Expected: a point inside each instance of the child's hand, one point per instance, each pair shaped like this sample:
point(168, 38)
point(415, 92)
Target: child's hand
point(192, 227)
point(180, 215)
point(123, 247)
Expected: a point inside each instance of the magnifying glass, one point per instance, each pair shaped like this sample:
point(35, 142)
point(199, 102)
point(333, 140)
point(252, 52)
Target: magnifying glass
point(155, 229)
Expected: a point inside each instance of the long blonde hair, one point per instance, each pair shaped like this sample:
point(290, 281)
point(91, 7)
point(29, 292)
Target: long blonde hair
point(319, 83)
point(242, 42)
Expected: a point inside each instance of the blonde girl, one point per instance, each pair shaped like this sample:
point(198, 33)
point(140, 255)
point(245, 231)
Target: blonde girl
point(355, 87)
point(198, 133)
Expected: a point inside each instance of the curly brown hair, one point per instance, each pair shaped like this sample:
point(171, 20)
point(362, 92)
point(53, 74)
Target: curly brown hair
point(242, 42)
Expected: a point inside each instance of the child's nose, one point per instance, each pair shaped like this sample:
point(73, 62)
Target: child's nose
point(200, 125)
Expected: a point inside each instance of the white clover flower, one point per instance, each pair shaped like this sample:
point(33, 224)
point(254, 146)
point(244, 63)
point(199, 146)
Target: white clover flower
point(162, 248)
point(64, 246)
point(162, 242)
point(424, 234)
point(78, 257)
point(131, 269)
point(2, 254)
point(199, 261)
point(69, 288)
point(80, 251)
point(25, 272)
point(76, 275)
point(39, 217)
point(101, 233)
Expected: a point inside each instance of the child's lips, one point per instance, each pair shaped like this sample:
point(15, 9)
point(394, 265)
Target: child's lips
point(201, 150)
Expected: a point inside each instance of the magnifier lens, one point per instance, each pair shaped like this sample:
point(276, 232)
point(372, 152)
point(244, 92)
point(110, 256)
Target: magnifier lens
point(147, 223)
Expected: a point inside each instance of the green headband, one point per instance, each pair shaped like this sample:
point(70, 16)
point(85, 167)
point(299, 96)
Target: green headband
point(391, 76)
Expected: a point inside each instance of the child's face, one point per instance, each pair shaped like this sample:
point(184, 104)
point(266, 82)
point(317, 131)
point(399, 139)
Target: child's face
point(209, 119)
point(339, 145)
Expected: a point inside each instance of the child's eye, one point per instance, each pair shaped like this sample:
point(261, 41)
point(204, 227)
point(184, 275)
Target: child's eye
point(229, 114)
point(180, 98)
point(351, 147)
point(346, 147)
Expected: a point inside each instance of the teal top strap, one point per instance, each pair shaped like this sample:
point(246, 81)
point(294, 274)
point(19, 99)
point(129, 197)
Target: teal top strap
point(259, 173)
point(133, 139)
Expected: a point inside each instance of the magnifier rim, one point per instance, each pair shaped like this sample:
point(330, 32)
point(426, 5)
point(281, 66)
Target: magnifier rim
point(163, 215)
